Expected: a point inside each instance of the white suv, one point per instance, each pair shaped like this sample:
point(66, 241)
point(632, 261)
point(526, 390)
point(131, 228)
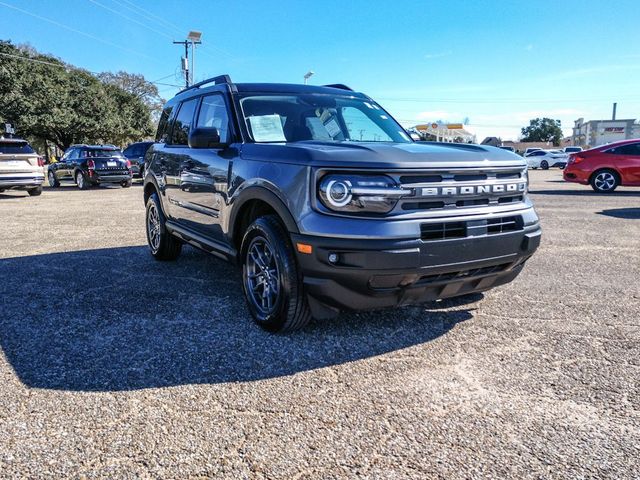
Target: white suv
point(20, 166)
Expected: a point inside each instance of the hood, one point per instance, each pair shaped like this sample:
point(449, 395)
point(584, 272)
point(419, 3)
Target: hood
point(382, 155)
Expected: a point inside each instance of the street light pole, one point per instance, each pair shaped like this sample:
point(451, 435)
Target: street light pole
point(308, 75)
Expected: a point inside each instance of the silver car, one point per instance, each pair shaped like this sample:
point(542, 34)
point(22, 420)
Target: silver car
point(20, 166)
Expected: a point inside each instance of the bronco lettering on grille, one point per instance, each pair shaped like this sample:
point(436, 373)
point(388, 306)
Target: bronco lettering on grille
point(471, 190)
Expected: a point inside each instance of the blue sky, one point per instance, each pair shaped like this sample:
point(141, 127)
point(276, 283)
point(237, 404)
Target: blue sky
point(497, 63)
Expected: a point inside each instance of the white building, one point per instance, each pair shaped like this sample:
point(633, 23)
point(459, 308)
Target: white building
point(600, 132)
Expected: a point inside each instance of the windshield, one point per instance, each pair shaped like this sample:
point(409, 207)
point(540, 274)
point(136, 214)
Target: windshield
point(319, 117)
point(102, 152)
point(15, 147)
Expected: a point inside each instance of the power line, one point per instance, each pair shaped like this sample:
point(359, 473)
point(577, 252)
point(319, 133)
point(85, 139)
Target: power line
point(130, 19)
point(146, 13)
point(500, 100)
point(176, 28)
point(33, 60)
point(71, 29)
point(71, 67)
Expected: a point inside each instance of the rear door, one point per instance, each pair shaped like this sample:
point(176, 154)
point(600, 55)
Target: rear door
point(626, 159)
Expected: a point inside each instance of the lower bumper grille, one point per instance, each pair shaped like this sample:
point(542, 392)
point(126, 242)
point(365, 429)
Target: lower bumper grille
point(471, 228)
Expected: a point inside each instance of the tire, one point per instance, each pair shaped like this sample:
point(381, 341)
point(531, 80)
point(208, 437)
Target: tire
point(126, 184)
point(544, 165)
point(81, 181)
point(605, 181)
point(34, 192)
point(53, 181)
point(277, 303)
point(162, 244)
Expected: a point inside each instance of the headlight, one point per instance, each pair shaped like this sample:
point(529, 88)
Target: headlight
point(359, 193)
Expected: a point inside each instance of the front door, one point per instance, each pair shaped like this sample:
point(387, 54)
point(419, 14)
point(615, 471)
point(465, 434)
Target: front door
point(203, 172)
point(627, 162)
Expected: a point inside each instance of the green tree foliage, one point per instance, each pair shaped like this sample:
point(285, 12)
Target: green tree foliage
point(55, 102)
point(543, 130)
point(137, 85)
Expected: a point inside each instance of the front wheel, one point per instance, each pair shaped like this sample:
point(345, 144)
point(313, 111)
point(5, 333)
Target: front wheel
point(605, 181)
point(162, 244)
point(271, 279)
point(544, 165)
point(126, 184)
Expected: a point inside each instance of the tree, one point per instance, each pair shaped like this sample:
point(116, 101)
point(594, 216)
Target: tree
point(137, 85)
point(543, 130)
point(49, 100)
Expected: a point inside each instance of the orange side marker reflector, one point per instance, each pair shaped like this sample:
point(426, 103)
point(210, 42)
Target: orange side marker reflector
point(304, 248)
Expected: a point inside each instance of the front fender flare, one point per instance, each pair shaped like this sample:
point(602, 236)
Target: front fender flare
point(267, 196)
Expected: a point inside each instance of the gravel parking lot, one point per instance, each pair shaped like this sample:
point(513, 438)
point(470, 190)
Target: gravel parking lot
point(114, 365)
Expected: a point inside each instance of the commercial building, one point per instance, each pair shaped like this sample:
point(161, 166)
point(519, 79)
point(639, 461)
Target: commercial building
point(599, 132)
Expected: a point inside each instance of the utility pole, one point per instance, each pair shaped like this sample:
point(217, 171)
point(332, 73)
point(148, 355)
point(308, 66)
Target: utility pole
point(192, 40)
point(185, 61)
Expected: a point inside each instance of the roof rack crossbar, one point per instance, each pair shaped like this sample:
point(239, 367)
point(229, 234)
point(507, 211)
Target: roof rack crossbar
point(220, 79)
point(341, 86)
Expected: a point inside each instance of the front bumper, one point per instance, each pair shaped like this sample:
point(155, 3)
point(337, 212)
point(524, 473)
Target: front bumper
point(372, 274)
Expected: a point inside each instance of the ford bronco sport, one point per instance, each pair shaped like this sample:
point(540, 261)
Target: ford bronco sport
point(328, 204)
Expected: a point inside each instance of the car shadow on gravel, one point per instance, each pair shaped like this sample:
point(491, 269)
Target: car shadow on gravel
point(626, 213)
point(115, 319)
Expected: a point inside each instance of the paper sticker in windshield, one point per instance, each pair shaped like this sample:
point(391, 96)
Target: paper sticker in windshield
point(267, 128)
point(332, 128)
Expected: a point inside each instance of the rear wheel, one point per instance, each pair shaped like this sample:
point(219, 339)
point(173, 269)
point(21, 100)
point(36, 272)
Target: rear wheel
point(544, 165)
point(271, 279)
point(605, 181)
point(53, 181)
point(162, 244)
point(34, 192)
point(81, 181)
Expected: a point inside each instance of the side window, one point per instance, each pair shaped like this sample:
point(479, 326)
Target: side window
point(73, 155)
point(213, 113)
point(630, 149)
point(163, 125)
point(182, 123)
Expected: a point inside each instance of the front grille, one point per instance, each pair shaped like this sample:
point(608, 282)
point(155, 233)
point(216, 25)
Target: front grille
point(443, 230)
point(430, 232)
point(462, 275)
point(505, 224)
point(465, 188)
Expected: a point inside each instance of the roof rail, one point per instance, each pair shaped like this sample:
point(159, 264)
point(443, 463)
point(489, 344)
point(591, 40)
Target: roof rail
point(215, 80)
point(341, 86)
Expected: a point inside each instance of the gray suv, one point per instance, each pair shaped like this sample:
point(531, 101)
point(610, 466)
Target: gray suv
point(327, 202)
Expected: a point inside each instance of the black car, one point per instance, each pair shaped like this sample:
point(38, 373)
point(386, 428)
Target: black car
point(135, 154)
point(90, 165)
point(327, 202)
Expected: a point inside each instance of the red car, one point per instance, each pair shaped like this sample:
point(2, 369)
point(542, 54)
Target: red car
point(606, 167)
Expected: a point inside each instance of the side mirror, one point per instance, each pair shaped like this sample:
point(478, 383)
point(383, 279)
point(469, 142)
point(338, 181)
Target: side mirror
point(415, 137)
point(205, 137)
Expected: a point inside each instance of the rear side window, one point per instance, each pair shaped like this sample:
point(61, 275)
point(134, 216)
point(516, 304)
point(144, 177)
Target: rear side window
point(15, 147)
point(163, 125)
point(213, 113)
point(182, 123)
point(630, 149)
